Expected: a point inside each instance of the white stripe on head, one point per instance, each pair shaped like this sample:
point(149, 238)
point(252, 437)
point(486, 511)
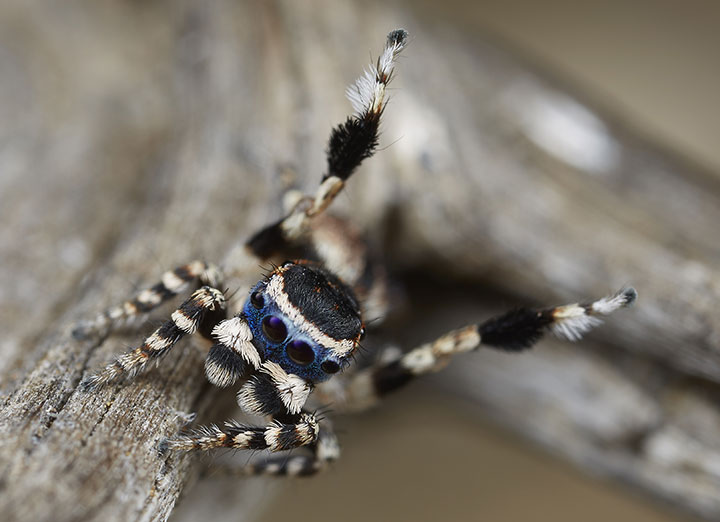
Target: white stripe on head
point(275, 289)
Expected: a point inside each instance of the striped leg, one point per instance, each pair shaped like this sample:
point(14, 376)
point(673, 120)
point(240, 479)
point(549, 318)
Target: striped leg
point(324, 451)
point(171, 284)
point(277, 436)
point(350, 143)
point(514, 331)
point(184, 320)
point(271, 391)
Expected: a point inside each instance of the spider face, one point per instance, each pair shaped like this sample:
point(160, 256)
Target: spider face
point(304, 319)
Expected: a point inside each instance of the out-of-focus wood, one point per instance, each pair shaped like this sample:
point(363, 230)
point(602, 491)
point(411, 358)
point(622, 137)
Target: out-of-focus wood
point(138, 136)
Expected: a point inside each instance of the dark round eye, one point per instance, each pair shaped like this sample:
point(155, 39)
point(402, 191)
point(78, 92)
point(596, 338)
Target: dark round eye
point(330, 367)
point(257, 300)
point(274, 328)
point(300, 352)
point(362, 333)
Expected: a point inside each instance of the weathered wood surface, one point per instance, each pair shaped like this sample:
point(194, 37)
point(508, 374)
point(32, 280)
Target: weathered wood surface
point(137, 136)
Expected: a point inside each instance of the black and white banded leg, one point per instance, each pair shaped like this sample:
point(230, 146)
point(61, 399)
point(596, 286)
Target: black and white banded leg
point(513, 331)
point(323, 451)
point(276, 436)
point(184, 321)
point(350, 143)
point(272, 392)
point(172, 283)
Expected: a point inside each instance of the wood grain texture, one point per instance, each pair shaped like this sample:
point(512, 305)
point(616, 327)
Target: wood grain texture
point(138, 136)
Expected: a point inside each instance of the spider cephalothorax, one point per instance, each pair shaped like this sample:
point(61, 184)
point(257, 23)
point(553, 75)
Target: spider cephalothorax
point(302, 323)
point(304, 319)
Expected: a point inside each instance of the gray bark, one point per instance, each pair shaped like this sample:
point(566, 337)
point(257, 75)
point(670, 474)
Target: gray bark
point(136, 137)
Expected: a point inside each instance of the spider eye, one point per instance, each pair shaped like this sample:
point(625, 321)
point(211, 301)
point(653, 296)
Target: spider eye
point(257, 300)
point(330, 367)
point(274, 328)
point(362, 333)
point(300, 352)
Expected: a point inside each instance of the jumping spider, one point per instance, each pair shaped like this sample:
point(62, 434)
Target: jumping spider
point(304, 320)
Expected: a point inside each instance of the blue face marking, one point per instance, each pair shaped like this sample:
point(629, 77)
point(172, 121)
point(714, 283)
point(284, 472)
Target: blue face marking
point(282, 342)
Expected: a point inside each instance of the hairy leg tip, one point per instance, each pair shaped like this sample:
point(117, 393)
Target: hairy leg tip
point(630, 295)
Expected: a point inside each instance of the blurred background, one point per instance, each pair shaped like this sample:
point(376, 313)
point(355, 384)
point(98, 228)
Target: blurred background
point(533, 153)
point(651, 64)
